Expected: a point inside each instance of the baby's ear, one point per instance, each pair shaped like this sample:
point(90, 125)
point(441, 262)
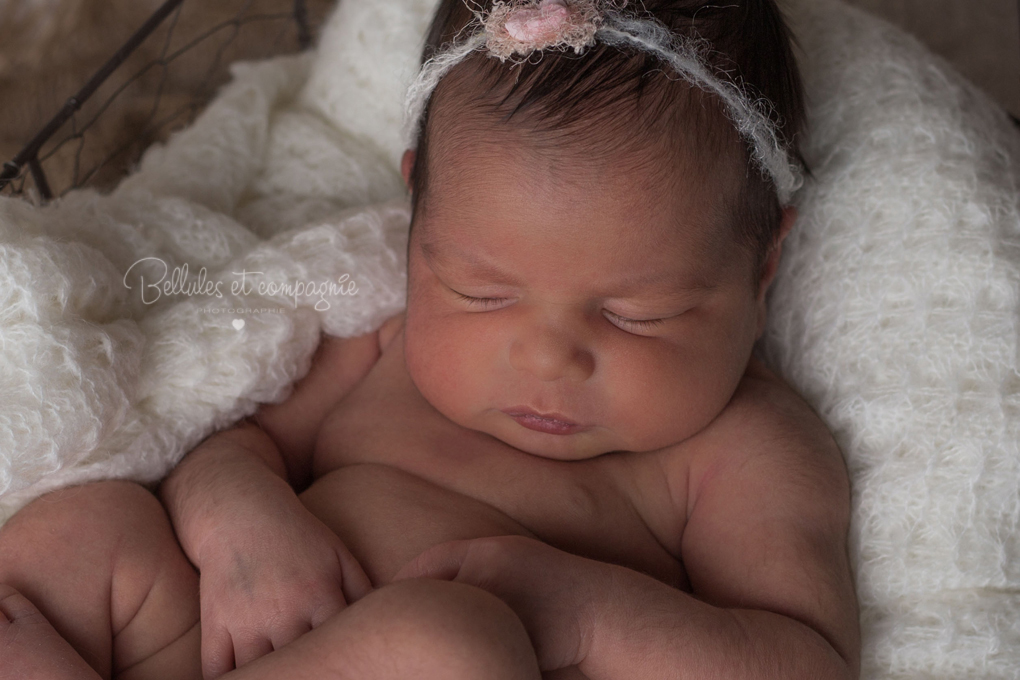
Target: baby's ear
point(772, 261)
point(406, 166)
point(768, 272)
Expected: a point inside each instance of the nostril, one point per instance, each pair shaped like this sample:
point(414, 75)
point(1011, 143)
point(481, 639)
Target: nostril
point(549, 357)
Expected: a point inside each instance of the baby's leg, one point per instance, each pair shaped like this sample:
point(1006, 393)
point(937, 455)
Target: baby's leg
point(102, 564)
point(420, 628)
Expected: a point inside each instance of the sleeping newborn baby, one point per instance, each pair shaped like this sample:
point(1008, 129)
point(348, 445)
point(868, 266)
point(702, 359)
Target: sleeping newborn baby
point(562, 460)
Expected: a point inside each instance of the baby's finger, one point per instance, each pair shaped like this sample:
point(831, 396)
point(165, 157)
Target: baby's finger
point(14, 605)
point(442, 562)
point(247, 648)
point(17, 608)
point(217, 652)
point(355, 583)
point(284, 635)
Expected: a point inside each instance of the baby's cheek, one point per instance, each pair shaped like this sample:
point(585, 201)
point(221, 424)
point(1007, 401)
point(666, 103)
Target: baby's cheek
point(441, 365)
point(426, 360)
point(665, 399)
point(644, 400)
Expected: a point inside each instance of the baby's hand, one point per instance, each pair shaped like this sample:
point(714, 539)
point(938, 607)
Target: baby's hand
point(265, 583)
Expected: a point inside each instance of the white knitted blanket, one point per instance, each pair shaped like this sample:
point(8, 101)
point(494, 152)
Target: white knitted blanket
point(895, 312)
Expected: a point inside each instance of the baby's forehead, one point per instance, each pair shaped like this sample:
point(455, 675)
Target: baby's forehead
point(506, 182)
point(518, 239)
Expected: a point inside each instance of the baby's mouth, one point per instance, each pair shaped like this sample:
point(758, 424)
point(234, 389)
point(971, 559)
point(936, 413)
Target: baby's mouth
point(550, 423)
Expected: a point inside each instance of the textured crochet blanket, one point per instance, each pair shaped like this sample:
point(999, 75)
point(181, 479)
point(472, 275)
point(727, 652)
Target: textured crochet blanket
point(133, 325)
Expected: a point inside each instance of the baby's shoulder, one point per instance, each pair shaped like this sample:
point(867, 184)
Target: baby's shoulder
point(769, 428)
point(337, 366)
point(389, 330)
point(766, 411)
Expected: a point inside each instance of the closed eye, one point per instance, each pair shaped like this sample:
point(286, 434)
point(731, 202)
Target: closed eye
point(624, 323)
point(484, 303)
point(621, 321)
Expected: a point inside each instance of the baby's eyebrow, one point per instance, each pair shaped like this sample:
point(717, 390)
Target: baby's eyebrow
point(657, 286)
point(671, 283)
point(433, 254)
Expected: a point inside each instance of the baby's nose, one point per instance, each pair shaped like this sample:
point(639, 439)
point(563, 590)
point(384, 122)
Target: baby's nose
point(550, 352)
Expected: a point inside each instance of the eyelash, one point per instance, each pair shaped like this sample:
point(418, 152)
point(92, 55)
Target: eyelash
point(484, 302)
point(644, 325)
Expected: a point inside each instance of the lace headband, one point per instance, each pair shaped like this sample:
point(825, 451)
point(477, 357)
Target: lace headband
point(521, 27)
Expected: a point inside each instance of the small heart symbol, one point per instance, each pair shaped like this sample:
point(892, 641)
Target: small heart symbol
point(238, 324)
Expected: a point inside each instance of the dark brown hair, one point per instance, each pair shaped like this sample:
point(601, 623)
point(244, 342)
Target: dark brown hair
point(631, 94)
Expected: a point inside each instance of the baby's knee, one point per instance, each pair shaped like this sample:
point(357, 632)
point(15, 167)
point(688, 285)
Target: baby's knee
point(443, 629)
point(101, 562)
point(102, 520)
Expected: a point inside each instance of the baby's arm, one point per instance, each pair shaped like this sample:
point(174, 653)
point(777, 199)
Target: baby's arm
point(339, 364)
point(270, 570)
point(767, 505)
point(766, 554)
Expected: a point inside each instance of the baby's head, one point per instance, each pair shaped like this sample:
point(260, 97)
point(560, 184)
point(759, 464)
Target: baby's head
point(592, 236)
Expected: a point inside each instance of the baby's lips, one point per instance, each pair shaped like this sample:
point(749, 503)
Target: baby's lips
point(550, 423)
point(515, 411)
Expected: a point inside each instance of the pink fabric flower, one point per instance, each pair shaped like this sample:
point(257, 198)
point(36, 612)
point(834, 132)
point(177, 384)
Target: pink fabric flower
point(540, 24)
point(516, 27)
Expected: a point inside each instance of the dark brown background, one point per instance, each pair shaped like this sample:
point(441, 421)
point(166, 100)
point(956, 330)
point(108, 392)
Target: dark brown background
point(49, 48)
point(980, 37)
